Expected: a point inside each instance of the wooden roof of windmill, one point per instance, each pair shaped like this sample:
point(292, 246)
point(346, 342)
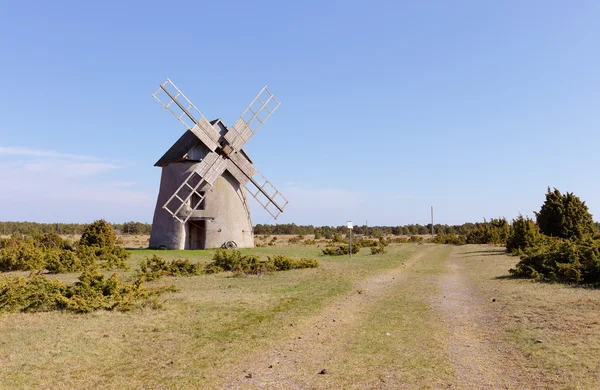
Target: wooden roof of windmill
point(178, 152)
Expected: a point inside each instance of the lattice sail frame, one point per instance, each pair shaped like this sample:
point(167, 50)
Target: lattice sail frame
point(252, 119)
point(187, 113)
point(275, 203)
point(179, 205)
point(208, 170)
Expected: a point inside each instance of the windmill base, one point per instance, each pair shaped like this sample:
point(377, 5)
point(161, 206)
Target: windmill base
point(224, 217)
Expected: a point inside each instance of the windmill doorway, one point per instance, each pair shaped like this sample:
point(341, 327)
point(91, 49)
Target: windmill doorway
point(196, 237)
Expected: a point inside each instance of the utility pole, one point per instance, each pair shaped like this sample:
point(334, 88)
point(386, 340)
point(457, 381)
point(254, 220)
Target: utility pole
point(432, 221)
point(350, 228)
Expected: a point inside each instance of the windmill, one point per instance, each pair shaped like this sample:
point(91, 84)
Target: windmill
point(205, 175)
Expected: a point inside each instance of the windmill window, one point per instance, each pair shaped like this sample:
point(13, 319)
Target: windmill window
point(197, 199)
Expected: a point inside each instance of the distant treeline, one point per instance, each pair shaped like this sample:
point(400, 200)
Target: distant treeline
point(407, 230)
point(375, 231)
point(9, 228)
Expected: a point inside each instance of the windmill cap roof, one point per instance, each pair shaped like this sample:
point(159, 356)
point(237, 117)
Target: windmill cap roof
point(184, 144)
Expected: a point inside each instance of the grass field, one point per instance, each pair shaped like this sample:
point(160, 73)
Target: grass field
point(420, 316)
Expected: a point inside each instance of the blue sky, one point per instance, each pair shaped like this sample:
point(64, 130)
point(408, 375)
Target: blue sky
point(474, 107)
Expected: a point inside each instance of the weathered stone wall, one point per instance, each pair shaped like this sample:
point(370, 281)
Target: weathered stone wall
point(225, 201)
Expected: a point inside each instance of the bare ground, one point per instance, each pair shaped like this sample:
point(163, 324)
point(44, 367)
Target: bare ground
point(480, 357)
point(314, 344)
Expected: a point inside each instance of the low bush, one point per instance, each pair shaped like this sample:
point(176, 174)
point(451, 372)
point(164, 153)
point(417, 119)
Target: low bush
point(415, 239)
point(310, 242)
point(60, 261)
point(340, 250)
point(284, 263)
point(234, 261)
point(338, 238)
point(452, 239)
point(252, 265)
point(156, 267)
point(51, 252)
point(99, 234)
point(375, 250)
point(115, 258)
point(19, 253)
point(365, 243)
point(562, 260)
point(495, 232)
point(92, 292)
point(525, 234)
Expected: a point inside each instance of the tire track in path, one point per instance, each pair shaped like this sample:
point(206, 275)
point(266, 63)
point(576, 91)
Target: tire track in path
point(294, 362)
point(481, 358)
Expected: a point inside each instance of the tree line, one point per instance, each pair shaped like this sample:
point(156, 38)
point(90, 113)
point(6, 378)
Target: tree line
point(375, 231)
point(33, 228)
point(9, 228)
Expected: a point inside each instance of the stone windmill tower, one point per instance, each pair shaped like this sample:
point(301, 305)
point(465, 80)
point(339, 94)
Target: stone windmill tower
point(205, 175)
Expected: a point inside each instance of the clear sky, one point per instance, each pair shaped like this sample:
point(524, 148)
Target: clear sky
point(388, 107)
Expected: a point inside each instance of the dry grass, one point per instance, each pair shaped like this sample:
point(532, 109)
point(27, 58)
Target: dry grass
point(556, 327)
point(218, 329)
point(202, 332)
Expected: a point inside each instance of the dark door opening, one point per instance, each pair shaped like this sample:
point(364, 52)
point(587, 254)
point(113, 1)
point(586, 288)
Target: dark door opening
point(196, 234)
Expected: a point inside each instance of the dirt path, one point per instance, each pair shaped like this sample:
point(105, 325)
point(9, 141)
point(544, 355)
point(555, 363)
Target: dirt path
point(480, 358)
point(312, 344)
point(474, 346)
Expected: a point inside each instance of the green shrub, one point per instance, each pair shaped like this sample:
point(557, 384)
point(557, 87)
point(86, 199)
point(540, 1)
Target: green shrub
point(226, 259)
point(452, 239)
point(564, 216)
point(115, 258)
point(338, 238)
point(306, 263)
point(376, 233)
point(156, 267)
point(524, 234)
point(340, 250)
point(560, 260)
point(284, 263)
point(19, 253)
point(49, 251)
point(61, 261)
point(375, 250)
point(252, 265)
point(415, 239)
point(99, 234)
point(399, 240)
point(92, 292)
point(232, 260)
point(52, 241)
point(365, 243)
point(310, 242)
point(494, 232)
point(31, 294)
